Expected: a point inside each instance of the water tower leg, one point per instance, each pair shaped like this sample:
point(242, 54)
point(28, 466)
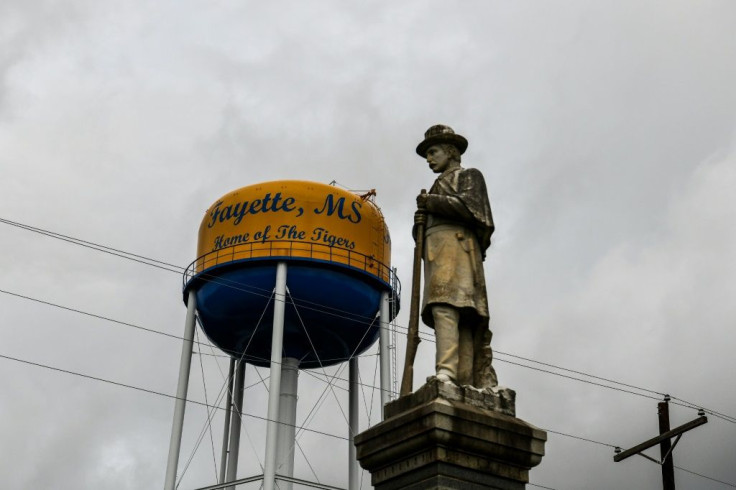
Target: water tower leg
point(287, 419)
point(353, 467)
point(383, 352)
point(228, 411)
point(274, 391)
point(181, 392)
point(232, 459)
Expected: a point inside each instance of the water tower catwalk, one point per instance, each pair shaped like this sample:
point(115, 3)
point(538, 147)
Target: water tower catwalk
point(289, 275)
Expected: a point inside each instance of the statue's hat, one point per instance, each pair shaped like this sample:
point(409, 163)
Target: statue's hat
point(439, 134)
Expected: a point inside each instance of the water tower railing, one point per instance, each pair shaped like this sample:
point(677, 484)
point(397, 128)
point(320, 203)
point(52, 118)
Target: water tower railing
point(293, 249)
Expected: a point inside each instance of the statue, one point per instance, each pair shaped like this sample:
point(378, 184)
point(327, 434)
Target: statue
point(455, 217)
point(458, 430)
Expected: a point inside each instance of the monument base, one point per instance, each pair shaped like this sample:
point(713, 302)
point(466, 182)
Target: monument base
point(449, 437)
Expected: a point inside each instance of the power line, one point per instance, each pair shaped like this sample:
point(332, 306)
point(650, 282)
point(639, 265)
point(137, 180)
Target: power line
point(579, 438)
point(93, 315)
point(150, 261)
point(577, 372)
point(150, 330)
point(153, 392)
point(681, 402)
point(322, 309)
point(79, 241)
point(688, 404)
point(402, 330)
point(706, 477)
point(612, 446)
point(540, 486)
point(172, 267)
point(176, 337)
point(431, 339)
point(178, 269)
point(581, 380)
point(93, 246)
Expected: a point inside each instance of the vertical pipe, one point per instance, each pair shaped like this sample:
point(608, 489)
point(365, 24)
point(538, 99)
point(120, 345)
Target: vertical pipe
point(668, 466)
point(287, 420)
point(236, 417)
point(383, 351)
point(353, 469)
point(181, 392)
point(393, 344)
point(228, 411)
point(274, 391)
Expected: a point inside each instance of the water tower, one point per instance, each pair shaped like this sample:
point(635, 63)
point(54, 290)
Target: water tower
point(290, 275)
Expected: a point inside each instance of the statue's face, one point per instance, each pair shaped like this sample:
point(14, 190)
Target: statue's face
point(437, 158)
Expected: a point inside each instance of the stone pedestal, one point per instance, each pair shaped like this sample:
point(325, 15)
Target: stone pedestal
point(448, 437)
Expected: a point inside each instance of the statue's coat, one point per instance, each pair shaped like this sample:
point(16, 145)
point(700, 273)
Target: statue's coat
point(458, 233)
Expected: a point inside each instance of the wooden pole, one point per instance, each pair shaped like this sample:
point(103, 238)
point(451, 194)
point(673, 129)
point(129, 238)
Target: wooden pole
point(665, 443)
point(665, 447)
point(656, 440)
point(412, 340)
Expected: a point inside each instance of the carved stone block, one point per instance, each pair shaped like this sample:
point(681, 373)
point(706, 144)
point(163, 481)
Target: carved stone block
point(447, 437)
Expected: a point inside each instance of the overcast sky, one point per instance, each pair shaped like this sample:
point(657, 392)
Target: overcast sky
point(605, 131)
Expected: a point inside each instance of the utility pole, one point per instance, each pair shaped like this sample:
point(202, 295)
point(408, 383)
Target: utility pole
point(664, 440)
point(665, 447)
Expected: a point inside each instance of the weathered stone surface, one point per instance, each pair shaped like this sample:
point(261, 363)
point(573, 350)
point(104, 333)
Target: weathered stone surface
point(449, 441)
point(498, 399)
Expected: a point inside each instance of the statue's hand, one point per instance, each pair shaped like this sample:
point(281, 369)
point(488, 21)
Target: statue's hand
point(422, 200)
point(420, 218)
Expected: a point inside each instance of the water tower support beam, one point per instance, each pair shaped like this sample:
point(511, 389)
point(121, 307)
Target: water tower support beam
point(235, 423)
point(383, 351)
point(287, 419)
point(274, 391)
point(181, 392)
point(353, 405)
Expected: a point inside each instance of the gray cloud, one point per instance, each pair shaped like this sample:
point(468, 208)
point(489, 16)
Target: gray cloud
point(605, 132)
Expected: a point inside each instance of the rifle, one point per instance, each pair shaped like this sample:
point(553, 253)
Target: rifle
point(412, 340)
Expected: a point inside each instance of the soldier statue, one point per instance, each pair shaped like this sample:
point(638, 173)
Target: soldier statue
point(456, 220)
